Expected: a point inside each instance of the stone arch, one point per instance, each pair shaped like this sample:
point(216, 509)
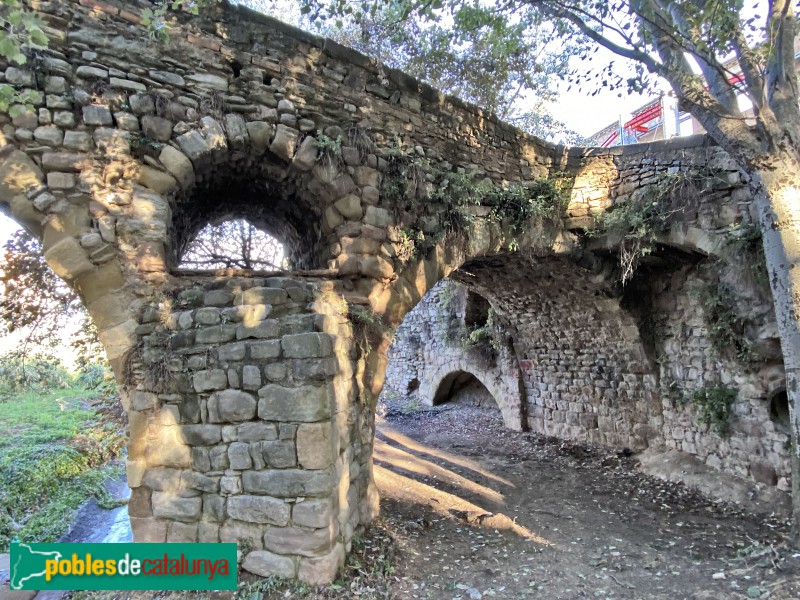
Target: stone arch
point(504, 388)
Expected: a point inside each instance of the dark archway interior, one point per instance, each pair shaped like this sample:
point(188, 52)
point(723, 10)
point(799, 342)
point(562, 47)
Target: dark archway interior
point(779, 410)
point(476, 312)
point(464, 388)
point(261, 194)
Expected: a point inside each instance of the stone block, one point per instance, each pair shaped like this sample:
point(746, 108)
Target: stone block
point(208, 533)
point(216, 334)
point(95, 114)
point(218, 455)
point(265, 329)
point(67, 259)
point(313, 513)
point(214, 507)
point(18, 175)
point(236, 129)
point(285, 142)
point(240, 532)
point(230, 485)
point(260, 134)
point(288, 483)
point(195, 147)
point(177, 163)
point(158, 181)
point(350, 207)
point(143, 400)
point(182, 533)
point(257, 432)
point(279, 454)
point(139, 503)
point(267, 564)
point(306, 156)
point(167, 505)
point(249, 315)
point(298, 540)
point(149, 530)
point(305, 403)
point(201, 435)
point(322, 570)
point(259, 509)
point(232, 352)
point(217, 298)
point(239, 456)
point(262, 295)
point(230, 406)
point(78, 140)
point(212, 379)
point(157, 128)
point(307, 345)
point(209, 82)
point(314, 445)
point(378, 217)
point(251, 377)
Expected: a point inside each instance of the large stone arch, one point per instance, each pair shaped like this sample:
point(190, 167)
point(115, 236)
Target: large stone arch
point(504, 389)
point(249, 392)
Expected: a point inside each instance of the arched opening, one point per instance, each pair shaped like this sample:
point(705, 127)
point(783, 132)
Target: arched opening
point(779, 411)
point(464, 389)
point(234, 244)
point(253, 205)
point(476, 311)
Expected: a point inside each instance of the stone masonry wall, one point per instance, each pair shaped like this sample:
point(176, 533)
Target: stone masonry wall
point(429, 347)
point(243, 425)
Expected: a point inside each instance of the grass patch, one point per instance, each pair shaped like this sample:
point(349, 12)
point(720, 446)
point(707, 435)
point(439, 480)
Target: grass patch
point(54, 454)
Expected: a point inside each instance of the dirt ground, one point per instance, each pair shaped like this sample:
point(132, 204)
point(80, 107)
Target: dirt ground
point(480, 511)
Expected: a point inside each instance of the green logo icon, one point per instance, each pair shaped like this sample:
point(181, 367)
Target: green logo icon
point(123, 566)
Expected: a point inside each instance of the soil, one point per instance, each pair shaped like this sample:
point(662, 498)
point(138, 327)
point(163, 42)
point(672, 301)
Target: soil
point(478, 510)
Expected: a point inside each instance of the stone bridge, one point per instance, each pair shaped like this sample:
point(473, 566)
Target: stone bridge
point(251, 396)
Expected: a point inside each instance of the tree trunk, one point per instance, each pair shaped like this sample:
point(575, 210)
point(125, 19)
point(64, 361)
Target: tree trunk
point(776, 186)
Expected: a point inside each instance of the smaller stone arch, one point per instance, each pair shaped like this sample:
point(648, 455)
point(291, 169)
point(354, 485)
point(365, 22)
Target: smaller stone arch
point(504, 387)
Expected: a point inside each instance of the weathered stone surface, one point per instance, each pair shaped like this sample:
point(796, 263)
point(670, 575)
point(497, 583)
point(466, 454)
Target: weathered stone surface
point(230, 406)
point(263, 295)
point(314, 445)
point(378, 217)
point(158, 181)
point(306, 156)
point(305, 403)
point(157, 128)
point(265, 329)
point(307, 345)
point(208, 81)
point(296, 540)
point(168, 506)
point(279, 454)
point(287, 483)
point(313, 513)
point(201, 435)
point(239, 456)
point(95, 114)
point(321, 570)
point(177, 163)
point(195, 147)
point(78, 140)
point(259, 509)
point(267, 564)
point(236, 130)
point(349, 207)
point(255, 432)
point(230, 352)
point(260, 134)
point(285, 142)
point(143, 400)
point(49, 136)
point(68, 259)
point(213, 379)
point(167, 77)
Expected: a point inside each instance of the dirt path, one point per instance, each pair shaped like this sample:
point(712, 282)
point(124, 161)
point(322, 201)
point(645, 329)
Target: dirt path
point(478, 510)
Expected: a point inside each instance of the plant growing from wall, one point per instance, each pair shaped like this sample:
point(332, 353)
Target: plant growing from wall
point(744, 251)
point(635, 225)
point(329, 153)
point(726, 328)
point(713, 406)
point(483, 339)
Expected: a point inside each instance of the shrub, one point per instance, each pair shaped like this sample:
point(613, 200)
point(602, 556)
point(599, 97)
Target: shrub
point(36, 373)
point(714, 406)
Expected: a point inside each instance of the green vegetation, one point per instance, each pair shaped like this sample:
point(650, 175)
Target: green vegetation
point(714, 406)
point(450, 200)
point(56, 442)
point(483, 339)
point(744, 251)
point(726, 328)
point(635, 225)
